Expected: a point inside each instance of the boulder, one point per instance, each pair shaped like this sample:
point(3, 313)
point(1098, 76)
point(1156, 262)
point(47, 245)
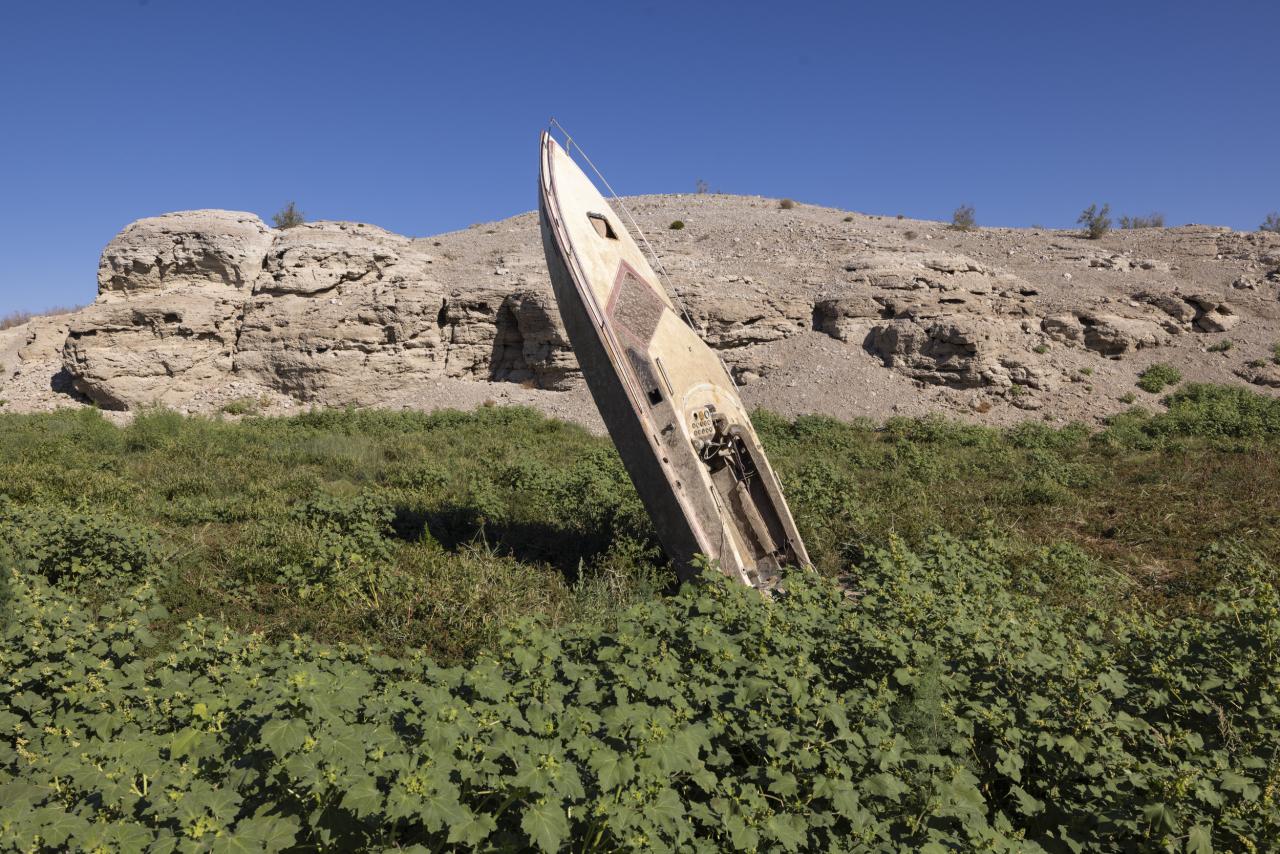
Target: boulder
point(958, 351)
point(158, 348)
point(738, 319)
point(185, 248)
point(1267, 374)
point(1171, 304)
point(328, 312)
point(1113, 335)
point(847, 318)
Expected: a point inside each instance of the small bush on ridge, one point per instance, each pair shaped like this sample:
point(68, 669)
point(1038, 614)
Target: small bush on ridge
point(1155, 220)
point(288, 217)
point(963, 218)
point(1095, 221)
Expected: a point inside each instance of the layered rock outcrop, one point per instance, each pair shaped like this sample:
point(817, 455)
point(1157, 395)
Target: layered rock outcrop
point(338, 313)
point(812, 309)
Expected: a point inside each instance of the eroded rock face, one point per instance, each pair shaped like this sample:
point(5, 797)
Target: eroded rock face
point(329, 312)
point(1265, 374)
point(198, 308)
point(340, 313)
point(159, 348)
point(741, 320)
point(185, 248)
point(940, 318)
point(1106, 334)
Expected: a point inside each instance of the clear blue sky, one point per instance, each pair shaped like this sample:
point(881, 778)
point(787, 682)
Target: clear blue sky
point(423, 117)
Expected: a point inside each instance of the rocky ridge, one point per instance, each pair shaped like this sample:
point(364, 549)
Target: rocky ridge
point(813, 309)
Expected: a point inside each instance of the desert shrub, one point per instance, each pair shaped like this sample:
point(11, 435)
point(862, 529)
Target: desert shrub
point(153, 429)
point(786, 204)
point(910, 235)
point(1155, 378)
point(963, 218)
point(288, 217)
point(1095, 221)
point(1220, 411)
point(701, 187)
point(676, 225)
point(1271, 223)
point(1128, 397)
point(1155, 220)
point(242, 406)
point(17, 318)
point(1220, 347)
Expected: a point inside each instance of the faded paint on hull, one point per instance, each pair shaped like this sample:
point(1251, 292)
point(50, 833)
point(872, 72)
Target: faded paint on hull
point(667, 400)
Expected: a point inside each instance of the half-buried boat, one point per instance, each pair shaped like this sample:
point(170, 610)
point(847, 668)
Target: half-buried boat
point(670, 405)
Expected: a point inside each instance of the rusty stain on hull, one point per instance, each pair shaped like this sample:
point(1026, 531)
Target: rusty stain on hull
point(667, 400)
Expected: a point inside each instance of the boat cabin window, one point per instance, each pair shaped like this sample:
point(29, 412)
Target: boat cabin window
point(601, 224)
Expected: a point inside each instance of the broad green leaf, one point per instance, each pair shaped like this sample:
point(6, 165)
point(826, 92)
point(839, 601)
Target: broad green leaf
point(546, 824)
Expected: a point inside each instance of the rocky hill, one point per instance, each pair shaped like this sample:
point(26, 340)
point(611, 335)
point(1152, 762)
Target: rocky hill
point(814, 309)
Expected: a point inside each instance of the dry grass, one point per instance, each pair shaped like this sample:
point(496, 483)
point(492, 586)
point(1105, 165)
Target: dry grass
point(17, 318)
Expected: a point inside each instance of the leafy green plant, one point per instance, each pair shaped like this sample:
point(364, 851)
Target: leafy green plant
point(1157, 377)
point(676, 225)
point(1095, 221)
point(77, 549)
point(951, 706)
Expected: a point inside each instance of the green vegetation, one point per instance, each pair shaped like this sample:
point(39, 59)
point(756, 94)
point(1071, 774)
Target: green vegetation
point(1271, 223)
point(288, 217)
point(241, 636)
point(1155, 220)
point(1220, 347)
point(1095, 221)
point(676, 225)
point(1158, 376)
point(245, 406)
